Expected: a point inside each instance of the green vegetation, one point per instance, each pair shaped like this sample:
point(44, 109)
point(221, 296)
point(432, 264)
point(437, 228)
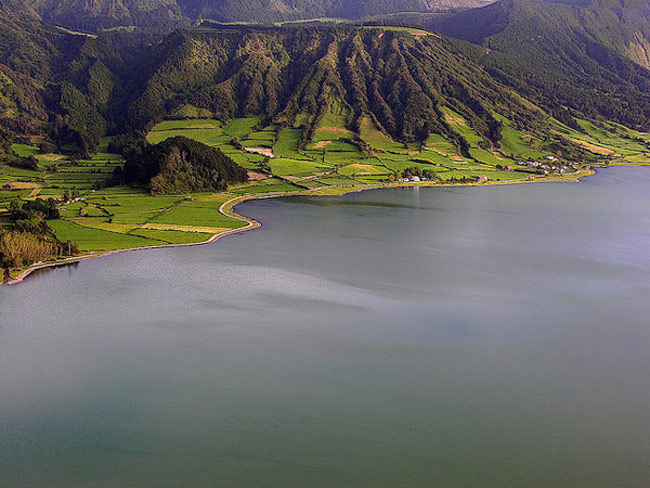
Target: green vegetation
point(287, 144)
point(390, 84)
point(217, 114)
point(295, 167)
point(24, 150)
point(378, 140)
point(117, 217)
point(172, 236)
point(26, 236)
point(560, 54)
point(181, 165)
point(196, 216)
point(240, 128)
point(92, 239)
point(165, 14)
point(207, 131)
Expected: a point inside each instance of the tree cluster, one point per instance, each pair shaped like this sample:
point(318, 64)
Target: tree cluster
point(181, 165)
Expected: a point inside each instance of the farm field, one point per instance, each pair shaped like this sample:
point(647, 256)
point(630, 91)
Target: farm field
point(336, 152)
point(281, 160)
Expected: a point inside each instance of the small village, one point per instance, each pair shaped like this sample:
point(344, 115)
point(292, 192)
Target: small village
point(551, 166)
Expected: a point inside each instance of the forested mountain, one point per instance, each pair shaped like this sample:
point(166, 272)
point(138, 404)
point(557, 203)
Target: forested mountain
point(589, 56)
point(166, 14)
point(567, 59)
point(103, 14)
point(286, 74)
point(28, 49)
point(119, 82)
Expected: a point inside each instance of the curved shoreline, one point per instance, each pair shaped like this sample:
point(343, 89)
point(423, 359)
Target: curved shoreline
point(227, 209)
point(251, 224)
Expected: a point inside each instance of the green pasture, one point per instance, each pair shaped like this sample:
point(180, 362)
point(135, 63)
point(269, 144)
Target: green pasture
point(189, 215)
point(338, 180)
point(211, 137)
point(437, 143)
point(89, 239)
point(271, 185)
point(517, 144)
point(377, 140)
point(241, 127)
point(187, 124)
point(458, 123)
point(295, 167)
point(172, 236)
point(286, 145)
point(125, 216)
point(25, 150)
point(136, 209)
point(359, 169)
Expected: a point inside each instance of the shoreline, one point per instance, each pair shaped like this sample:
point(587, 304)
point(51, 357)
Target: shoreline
point(227, 209)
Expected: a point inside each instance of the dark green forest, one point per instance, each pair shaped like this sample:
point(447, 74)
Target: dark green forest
point(165, 15)
point(181, 165)
point(592, 58)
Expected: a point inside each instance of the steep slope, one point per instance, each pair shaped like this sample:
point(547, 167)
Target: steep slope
point(102, 14)
point(67, 88)
point(27, 50)
point(167, 14)
point(591, 58)
point(409, 84)
point(618, 25)
point(118, 82)
point(401, 80)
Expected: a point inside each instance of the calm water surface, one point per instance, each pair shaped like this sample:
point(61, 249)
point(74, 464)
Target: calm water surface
point(493, 337)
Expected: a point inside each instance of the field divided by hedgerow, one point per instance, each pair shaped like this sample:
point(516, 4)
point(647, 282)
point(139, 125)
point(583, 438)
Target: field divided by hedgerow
point(283, 161)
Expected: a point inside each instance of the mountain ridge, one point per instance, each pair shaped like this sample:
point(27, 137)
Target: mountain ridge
point(169, 14)
point(593, 59)
point(73, 89)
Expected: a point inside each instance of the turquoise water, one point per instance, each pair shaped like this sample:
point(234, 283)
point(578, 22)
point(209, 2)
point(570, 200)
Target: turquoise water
point(436, 337)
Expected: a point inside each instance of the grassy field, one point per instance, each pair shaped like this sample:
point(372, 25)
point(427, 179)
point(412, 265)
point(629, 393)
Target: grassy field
point(92, 239)
point(25, 150)
point(207, 131)
point(410, 30)
point(461, 126)
point(286, 145)
point(378, 140)
point(614, 141)
point(336, 160)
point(56, 173)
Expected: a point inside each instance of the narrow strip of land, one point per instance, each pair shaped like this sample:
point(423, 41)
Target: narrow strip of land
point(227, 209)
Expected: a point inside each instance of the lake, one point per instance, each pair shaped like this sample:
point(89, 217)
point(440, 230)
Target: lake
point(480, 336)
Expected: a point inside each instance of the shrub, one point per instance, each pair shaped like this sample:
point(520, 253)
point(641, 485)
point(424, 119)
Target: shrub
point(19, 249)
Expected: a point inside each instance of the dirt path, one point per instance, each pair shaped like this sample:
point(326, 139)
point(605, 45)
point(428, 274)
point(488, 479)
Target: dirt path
point(252, 176)
point(264, 151)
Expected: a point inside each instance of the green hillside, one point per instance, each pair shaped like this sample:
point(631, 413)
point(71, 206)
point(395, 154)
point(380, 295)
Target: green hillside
point(164, 15)
point(92, 127)
point(592, 59)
